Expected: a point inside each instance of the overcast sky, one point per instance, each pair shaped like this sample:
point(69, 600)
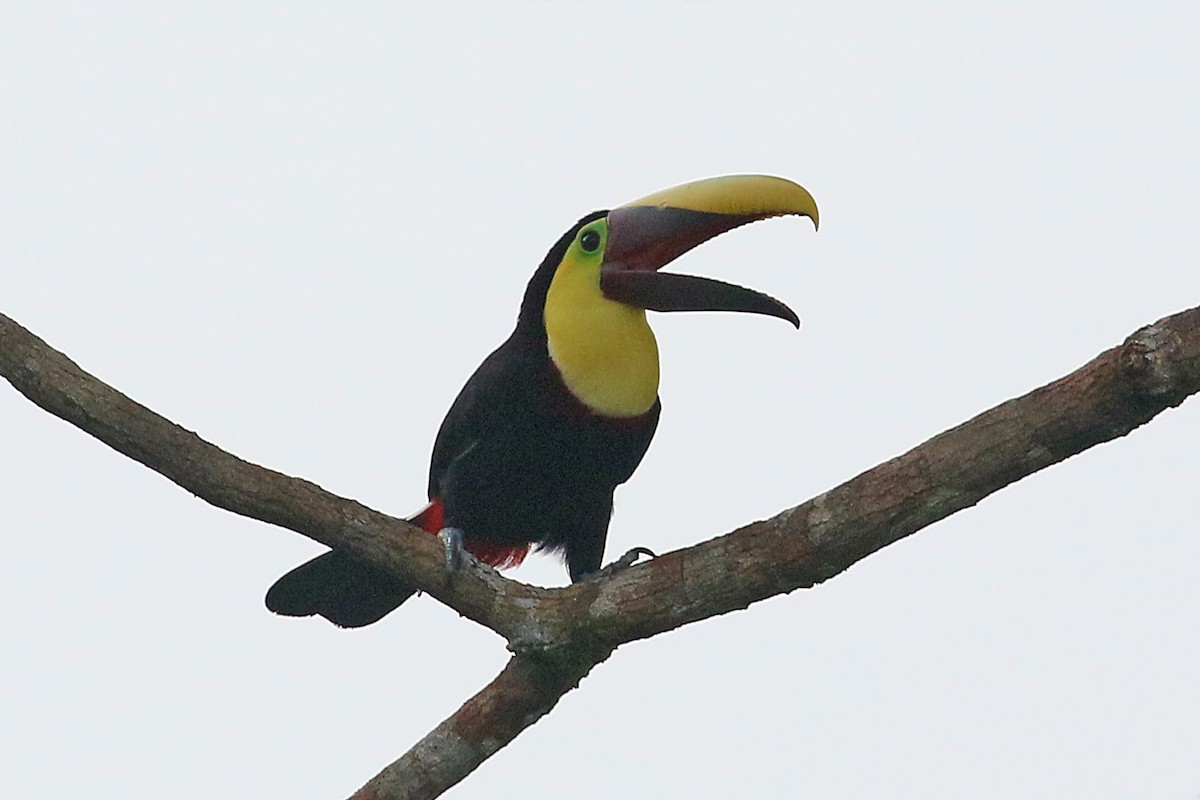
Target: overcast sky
point(296, 228)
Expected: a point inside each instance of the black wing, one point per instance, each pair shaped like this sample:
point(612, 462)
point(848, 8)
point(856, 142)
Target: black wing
point(490, 398)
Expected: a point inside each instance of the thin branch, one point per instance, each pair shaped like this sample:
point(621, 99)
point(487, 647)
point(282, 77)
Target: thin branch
point(60, 386)
point(527, 689)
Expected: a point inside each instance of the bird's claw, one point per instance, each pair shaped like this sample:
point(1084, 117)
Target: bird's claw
point(624, 562)
point(452, 541)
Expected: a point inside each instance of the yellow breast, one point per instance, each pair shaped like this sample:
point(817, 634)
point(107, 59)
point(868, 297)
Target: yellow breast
point(604, 350)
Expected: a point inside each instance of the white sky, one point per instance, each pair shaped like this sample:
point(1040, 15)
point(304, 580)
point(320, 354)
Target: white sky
point(296, 228)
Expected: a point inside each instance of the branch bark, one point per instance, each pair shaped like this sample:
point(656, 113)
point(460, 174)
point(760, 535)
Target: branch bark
point(558, 635)
point(524, 692)
point(1157, 367)
point(57, 384)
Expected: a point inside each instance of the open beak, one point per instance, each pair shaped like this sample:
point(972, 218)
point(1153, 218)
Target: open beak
point(647, 234)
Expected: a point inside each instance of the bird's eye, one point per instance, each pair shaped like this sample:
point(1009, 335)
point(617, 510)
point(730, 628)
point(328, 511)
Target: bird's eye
point(590, 241)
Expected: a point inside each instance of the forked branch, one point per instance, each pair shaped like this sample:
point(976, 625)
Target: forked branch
point(558, 635)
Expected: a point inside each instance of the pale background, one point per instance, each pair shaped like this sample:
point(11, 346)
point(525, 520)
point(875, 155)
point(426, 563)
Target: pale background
point(297, 227)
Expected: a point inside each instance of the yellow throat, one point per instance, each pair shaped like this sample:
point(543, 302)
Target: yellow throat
point(604, 350)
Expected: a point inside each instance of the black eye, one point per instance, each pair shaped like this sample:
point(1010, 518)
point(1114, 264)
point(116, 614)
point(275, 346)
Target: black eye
point(590, 241)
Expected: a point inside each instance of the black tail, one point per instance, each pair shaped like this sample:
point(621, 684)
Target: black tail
point(343, 590)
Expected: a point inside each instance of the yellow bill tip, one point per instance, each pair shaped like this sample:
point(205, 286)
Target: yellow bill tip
point(759, 196)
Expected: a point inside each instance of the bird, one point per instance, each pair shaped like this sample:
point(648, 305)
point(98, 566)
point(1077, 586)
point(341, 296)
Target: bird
point(562, 412)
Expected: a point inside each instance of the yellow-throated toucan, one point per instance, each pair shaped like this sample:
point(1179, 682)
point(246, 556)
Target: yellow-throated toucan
point(561, 414)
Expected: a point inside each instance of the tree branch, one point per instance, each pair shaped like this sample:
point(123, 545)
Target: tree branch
point(524, 692)
point(1156, 368)
point(559, 635)
point(60, 386)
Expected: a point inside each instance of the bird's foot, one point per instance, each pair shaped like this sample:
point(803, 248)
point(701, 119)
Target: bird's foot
point(623, 563)
point(456, 552)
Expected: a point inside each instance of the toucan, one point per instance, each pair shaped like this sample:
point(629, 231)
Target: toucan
point(562, 412)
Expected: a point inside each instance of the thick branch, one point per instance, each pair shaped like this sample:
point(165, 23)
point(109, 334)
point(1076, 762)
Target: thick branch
point(1156, 368)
